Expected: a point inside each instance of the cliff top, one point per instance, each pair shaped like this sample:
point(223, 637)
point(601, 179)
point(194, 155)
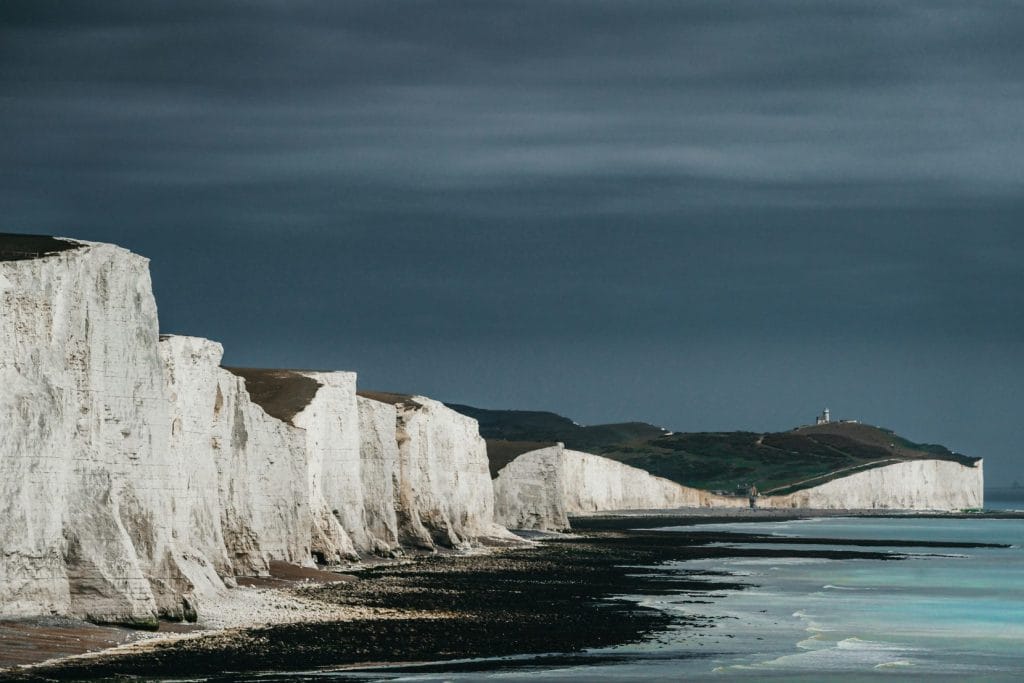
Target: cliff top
point(281, 393)
point(540, 426)
point(778, 462)
point(385, 396)
point(510, 433)
point(17, 247)
point(390, 398)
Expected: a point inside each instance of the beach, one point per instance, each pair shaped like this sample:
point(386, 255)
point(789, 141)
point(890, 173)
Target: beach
point(590, 591)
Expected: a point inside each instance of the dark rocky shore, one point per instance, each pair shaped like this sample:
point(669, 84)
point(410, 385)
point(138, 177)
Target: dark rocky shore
point(556, 598)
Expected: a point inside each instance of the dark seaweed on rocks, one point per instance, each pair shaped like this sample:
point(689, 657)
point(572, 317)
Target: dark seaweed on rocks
point(560, 596)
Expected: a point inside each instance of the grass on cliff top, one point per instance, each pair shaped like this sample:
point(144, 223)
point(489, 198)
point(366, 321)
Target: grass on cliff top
point(501, 452)
point(281, 393)
point(777, 463)
point(389, 397)
point(548, 428)
point(17, 247)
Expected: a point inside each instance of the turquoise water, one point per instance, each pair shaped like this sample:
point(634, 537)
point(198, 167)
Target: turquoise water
point(942, 614)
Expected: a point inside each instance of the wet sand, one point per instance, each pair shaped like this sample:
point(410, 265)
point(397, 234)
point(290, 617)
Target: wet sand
point(35, 640)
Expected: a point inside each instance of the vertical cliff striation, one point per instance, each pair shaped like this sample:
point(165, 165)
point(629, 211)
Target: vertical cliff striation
point(190, 368)
point(378, 467)
point(941, 485)
point(86, 473)
point(593, 483)
point(542, 488)
point(254, 469)
point(443, 490)
point(529, 492)
point(332, 443)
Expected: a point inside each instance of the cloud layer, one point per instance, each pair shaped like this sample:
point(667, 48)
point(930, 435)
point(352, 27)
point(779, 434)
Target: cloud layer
point(706, 214)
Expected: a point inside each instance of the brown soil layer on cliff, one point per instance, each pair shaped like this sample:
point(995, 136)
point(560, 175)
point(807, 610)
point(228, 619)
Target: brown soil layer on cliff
point(15, 247)
point(389, 397)
point(283, 394)
point(557, 597)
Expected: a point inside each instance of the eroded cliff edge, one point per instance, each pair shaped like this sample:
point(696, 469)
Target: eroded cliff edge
point(138, 477)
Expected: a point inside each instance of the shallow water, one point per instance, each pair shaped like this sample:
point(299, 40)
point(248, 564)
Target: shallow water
point(940, 614)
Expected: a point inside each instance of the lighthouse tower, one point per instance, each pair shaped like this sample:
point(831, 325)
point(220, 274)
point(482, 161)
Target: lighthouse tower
point(824, 418)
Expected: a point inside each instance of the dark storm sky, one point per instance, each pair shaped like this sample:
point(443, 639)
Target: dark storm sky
point(708, 215)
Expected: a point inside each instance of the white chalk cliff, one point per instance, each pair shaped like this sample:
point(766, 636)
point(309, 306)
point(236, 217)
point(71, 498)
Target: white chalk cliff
point(912, 485)
point(541, 489)
point(138, 477)
point(87, 479)
point(443, 489)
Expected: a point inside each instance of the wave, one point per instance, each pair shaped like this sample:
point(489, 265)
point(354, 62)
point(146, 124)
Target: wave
point(849, 654)
point(855, 643)
point(815, 642)
point(812, 625)
point(897, 664)
point(775, 561)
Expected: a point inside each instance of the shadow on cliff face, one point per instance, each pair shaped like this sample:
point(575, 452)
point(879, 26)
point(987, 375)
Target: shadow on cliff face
point(556, 597)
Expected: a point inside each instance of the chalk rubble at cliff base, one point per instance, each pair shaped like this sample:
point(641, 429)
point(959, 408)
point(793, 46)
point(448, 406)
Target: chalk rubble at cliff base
point(541, 489)
point(138, 476)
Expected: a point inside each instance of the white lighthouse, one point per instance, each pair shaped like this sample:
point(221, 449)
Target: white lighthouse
point(824, 418)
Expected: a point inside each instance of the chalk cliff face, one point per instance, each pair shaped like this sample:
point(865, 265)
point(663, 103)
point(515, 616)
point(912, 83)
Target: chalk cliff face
point(190, 366)
point(543, 488)
point(378, 459)
point(912, 485)
point(263, 467)
point(594, 483)
point(529, 492)
point(86, 477)
point(445, 495)
point(540, 489)
point(137, 476)
point(330, 424)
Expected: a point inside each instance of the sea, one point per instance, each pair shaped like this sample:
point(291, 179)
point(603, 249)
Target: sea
point(939, 615)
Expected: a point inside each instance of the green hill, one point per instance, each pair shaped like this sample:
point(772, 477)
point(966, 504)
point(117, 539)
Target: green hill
point(510, 433)
point(778, 462)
